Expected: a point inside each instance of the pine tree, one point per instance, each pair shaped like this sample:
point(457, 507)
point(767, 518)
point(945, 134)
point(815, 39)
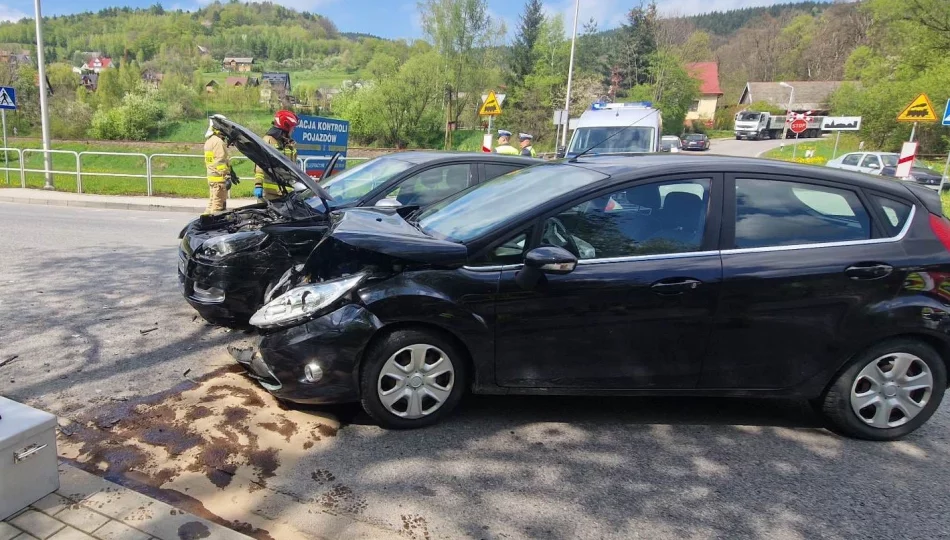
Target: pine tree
point(522, 58)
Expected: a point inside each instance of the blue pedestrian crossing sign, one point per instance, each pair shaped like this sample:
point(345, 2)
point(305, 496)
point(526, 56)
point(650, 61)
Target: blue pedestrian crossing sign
point(946, 114)
point(7, 98)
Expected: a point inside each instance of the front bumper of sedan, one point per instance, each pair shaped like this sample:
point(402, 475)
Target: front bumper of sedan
point(224, 294)
point(316, 362)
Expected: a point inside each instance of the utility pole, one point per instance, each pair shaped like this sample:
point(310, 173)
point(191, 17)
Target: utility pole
point(44, 105)
point(570, 73)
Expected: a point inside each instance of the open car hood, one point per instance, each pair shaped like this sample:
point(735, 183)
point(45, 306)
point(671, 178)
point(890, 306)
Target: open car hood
point(275, 164)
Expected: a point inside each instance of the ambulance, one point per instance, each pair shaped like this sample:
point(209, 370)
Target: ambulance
point(617, 128)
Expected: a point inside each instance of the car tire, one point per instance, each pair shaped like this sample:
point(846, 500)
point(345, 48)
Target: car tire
point(890, 378)
point(411, 354)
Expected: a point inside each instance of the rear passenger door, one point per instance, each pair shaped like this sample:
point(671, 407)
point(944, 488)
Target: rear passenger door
point(805, 265)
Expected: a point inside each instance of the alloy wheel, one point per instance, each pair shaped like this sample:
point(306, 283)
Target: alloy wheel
point(416, 381)
point(891, 390)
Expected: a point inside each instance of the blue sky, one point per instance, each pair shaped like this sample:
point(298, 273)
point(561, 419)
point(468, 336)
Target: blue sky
point(399, 18)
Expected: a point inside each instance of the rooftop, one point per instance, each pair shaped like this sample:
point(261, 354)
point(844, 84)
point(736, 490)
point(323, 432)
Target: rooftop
point(707, 73)
point(809, 95)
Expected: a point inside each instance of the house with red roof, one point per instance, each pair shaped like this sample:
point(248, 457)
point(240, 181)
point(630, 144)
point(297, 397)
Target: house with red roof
point(704, 109)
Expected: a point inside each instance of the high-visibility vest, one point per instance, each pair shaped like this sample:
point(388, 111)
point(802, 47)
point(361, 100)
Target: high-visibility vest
point(528, 151)
point(217, 163)
point(508, 150)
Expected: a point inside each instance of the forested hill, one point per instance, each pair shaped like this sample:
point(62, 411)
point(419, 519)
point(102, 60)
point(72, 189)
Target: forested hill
point(263, 30)
point(724, 23)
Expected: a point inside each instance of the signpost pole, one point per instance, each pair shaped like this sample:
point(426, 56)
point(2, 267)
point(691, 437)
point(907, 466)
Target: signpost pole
point(913, 131)
point(44, 107)
point(6, 165)
point(943, 179)
point(795, 146)
point(837, 138)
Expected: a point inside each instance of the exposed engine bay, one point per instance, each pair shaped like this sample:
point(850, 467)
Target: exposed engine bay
point(251, 218)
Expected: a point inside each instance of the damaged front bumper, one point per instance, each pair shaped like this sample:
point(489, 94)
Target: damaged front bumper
point(316, 362)
point(224, 294)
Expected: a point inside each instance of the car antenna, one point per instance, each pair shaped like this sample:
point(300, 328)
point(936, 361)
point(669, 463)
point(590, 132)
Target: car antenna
point(574, 159)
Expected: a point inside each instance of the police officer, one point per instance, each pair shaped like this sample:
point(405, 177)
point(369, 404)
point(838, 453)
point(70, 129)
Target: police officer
point(503, 145)
point(218, 166)
point(278, 136)
point(526, 148)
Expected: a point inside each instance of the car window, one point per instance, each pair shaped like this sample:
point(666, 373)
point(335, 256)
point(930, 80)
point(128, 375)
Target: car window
point(490, 205)
point(432, 185)
point(511, 251)
point(896, 213)
point(493, 170)
point(890, 160)
point(667, 217)
point(349, 186)
point(871, 161)
point(778, 213)
point(851, 159)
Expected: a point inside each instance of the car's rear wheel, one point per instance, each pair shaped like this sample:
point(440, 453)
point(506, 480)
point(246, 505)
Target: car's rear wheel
point(887, 392)
point(412, 379)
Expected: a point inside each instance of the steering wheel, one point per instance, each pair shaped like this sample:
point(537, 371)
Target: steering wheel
point(555, 234)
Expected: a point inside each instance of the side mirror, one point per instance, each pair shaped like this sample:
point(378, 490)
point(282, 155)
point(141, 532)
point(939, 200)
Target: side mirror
point(561, 151)
point(874, 166)
point(388, 203)
point(545, 260)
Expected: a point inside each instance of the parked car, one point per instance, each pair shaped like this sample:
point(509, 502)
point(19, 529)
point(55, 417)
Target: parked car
point(885, 164)
point(866, 162)
point(919, 173)
point(670, 143)
point(231, 263)
point(615, 275)
point(696, 141)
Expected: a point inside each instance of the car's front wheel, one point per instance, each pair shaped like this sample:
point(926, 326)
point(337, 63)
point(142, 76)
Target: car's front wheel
point(887, 392)
point(412, 379)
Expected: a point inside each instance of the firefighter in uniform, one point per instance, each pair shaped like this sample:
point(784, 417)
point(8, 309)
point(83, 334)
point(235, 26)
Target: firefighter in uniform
point(218, 166)
point(503, 146)
point(279, 136)
point(526, 149)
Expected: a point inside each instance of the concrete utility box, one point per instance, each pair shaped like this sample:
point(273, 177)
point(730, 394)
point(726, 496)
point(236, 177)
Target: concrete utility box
point(28, 468)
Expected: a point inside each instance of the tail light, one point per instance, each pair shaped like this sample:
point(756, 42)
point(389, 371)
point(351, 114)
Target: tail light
point(941, 228)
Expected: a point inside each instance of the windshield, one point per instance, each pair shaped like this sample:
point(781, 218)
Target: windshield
point(351, 185)
point(747, 117)
point(633, 139)
point(695, 137)
point(474, 212)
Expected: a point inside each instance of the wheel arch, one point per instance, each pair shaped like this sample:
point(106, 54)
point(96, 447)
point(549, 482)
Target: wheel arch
point(468, 362)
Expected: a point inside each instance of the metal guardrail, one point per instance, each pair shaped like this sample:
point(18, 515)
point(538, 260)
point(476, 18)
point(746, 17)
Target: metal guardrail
point(149, 162)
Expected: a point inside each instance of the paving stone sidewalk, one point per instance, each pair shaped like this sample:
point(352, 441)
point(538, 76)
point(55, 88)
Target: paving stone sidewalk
point(87, 507)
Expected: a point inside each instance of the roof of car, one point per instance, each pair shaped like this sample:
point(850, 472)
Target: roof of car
point(628, 167)
point(419, 157)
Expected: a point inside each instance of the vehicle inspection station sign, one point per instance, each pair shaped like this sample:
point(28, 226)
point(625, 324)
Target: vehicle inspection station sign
point(319, 137)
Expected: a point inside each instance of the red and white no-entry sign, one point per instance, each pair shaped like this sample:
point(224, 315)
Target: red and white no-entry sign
point(798, 126)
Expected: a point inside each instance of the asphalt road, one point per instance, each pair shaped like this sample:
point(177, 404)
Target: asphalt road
point(732, 147)
point(79, 286)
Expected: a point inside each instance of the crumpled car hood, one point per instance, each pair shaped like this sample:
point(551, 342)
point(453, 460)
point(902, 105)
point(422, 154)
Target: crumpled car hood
point(362, 237)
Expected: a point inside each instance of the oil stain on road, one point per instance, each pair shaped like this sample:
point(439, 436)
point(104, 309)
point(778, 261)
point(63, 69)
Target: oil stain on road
point(211, 447)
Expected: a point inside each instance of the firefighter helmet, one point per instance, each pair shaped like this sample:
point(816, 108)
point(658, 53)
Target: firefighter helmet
point(286, 120)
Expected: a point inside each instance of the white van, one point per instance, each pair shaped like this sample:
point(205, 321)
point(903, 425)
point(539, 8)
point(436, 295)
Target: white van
point(617, 128)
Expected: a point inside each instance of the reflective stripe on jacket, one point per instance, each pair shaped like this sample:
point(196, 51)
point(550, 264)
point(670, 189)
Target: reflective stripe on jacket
point(217, 162)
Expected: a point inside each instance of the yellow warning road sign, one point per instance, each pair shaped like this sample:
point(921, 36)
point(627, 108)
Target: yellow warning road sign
point(491, 107)
point(919, 110)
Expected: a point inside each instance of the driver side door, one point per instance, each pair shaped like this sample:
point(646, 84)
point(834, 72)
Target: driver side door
point(637, 310)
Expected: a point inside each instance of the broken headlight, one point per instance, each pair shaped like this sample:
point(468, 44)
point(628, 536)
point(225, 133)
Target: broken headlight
point(222, 246)
point(304, 303)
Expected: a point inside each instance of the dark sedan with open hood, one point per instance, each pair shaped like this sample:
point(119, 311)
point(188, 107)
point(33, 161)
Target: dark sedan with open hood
point(232, 262)
point(660, 275)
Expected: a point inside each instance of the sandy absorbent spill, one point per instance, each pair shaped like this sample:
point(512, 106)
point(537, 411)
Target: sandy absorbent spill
point(211, 446)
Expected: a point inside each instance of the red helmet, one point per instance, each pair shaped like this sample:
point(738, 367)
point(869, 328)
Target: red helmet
point(286, 120)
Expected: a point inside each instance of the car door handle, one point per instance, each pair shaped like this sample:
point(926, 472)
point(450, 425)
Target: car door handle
point(869, 271)
point(669, 287)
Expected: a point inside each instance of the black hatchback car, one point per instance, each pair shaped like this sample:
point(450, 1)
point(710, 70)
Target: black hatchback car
point(696, 141)
point(231, 262)
point(647, 275)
